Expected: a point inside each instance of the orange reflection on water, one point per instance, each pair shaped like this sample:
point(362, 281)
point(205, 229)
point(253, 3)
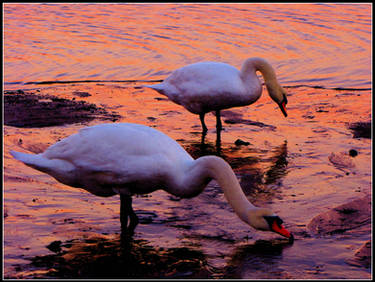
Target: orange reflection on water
point(286, 169)
point(140, 41)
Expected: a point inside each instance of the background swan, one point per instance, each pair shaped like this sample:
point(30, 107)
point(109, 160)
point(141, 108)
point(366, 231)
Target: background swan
point(128, 159)
point(211, 86)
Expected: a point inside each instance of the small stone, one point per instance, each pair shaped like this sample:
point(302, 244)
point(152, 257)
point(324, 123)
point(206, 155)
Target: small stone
point(55, 246)
point(239, 142)
point(353, 153)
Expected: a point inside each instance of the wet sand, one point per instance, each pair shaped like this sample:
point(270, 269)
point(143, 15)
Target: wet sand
point(299, 166)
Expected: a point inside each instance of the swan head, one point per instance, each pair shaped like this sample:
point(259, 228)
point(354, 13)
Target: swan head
point(278, 94)
point(266, 220)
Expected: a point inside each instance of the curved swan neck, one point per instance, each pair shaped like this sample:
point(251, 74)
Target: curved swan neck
point(259, 64)
point(221, 171)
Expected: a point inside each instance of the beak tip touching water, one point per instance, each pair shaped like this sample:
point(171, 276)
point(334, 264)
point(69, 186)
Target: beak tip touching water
point(280, 229)
point(291, 239)
point(282, 106)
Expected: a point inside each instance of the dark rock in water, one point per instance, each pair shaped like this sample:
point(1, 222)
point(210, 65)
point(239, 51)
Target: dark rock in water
point(347, 217)
point(55, 246)
point(239, 142)
point(353, 153)
point(30, 110)
point(361, 129)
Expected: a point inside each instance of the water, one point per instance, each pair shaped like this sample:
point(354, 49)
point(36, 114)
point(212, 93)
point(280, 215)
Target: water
point(285, 167)
point(314, 44)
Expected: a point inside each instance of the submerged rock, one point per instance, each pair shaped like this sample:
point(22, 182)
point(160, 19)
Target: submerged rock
point(341, 160)
point(361, 129)
point(239, 142)
point(362, 257)
point(347, 217)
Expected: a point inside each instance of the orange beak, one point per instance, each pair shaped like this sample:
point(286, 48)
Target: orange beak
point(282, 231)
point(282, 106)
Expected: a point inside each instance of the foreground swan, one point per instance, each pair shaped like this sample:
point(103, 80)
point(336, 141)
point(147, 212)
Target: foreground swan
point(211, 86)
point(129, 159)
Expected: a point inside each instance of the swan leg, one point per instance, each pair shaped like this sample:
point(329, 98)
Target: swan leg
point(126, 210)
point(218, 121)
point(204, 127)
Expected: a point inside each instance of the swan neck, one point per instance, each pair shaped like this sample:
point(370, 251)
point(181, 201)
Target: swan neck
point(261, 65)
point(221, 171)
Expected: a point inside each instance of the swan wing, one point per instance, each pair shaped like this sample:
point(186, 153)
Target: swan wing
point(107, 156)
point(205, 86)
point(111, 146)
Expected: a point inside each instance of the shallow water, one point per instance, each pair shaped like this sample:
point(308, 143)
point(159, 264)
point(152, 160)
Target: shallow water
point(55, 231)
point(315, 44)
point(285, 167)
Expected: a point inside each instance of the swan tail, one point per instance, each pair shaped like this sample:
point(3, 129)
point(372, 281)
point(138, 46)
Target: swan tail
point(39, 162)
point(158, 87)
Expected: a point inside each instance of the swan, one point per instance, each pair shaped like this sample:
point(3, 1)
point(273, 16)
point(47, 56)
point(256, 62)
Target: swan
point(212, 86)
point(128, 159)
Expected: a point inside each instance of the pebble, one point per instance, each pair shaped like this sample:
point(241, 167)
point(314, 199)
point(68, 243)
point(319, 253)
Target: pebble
point(353, 153)
point(239, 142)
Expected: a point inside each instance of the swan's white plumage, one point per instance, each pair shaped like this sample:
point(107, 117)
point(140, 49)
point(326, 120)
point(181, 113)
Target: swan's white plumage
point(127, 159)
point(109, 156)
point(212, 86)
point(209, 86)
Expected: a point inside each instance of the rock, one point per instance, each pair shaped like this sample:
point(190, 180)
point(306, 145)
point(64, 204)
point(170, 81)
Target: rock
point(362, 257)
point(239, 142)
point(346, 217)
point(353, 153)
point(341, 160)
point(55, 246)
point(361, 129)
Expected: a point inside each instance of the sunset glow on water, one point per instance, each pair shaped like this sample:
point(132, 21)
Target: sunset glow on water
point(322, 56)
point(315, 44)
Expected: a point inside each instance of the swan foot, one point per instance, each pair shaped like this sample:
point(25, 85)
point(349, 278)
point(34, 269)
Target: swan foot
point(127, 212)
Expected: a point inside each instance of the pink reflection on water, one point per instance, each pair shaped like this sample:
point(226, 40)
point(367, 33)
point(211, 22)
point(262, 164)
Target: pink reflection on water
point(112, 41)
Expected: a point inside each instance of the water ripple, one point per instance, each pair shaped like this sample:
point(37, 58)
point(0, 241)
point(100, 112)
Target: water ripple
point(322, 44)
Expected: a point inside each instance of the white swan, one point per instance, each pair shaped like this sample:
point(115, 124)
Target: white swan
point(211, 86)
point(128, 159)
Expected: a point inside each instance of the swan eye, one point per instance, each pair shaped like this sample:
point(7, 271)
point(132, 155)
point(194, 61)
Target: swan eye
point(273, 218)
